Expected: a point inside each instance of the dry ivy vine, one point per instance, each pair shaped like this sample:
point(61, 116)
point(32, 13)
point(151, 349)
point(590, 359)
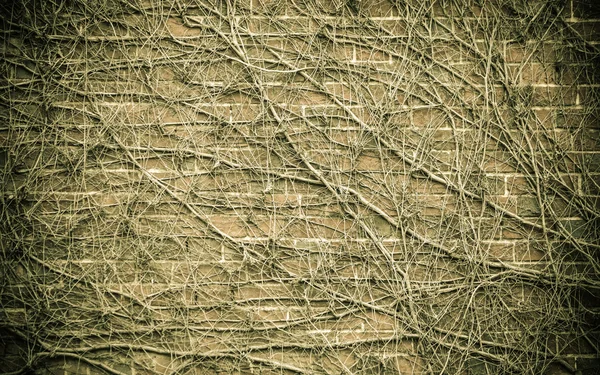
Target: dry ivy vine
point(201, 186)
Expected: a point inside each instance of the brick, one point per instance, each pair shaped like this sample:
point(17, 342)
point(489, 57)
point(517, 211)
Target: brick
point(591, 186)
point(588, 30)
point(246, 112)
point(515, 53)
point(298, 96)
point(503, 251)
point(394, 28)
point(530, 252)
point(539, 74)
point(342, 52)
point(177, 28)
point(378, 8)
point(446, 271)
point(585, 9)
point(428, 117)
point(343, 92)
point(554, 96)
point(322, 7)
point(269, 7)
point(15, 72)
point(587, 95)
point(448, 53)
point(528, 206)
point(571, 343)
point(515, 73)
point(371, 55)
point(16, 362)
point(569, 74)
point(513, 234)
point(576, 228)
point(575, 119)
point(15, 317)
point(470, 27)
point(262, 291)
point(423, 186)
point(587, 366)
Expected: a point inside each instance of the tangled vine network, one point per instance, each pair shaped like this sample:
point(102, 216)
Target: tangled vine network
point(299, 187)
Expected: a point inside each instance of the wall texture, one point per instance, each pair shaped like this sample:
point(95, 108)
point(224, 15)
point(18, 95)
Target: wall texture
point(313, 187)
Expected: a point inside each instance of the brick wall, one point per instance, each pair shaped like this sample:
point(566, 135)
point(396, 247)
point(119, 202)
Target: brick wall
point(319, 187)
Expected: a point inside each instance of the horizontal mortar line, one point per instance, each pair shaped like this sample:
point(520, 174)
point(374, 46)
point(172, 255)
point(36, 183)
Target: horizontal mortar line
point(269, 323)
point(553, 85)
point(587, 152)
point(193, 33)
point(50, 171)
point(511, 174)
point(296, 331)
point(532, 218)
point(140, 61)
point(211, 198)
point(263, 210)
point(82, 106)
point(175, 174)
point(189, 172)
point(505, 242)
point(345, 331)
point(137, 80)
point(582, 20)
point(299, 255)
point(208, 199)
point(220, 264)
point(199, 125)
point(547, 263)
point(276, 84)
point(167, 175)
point(352, 20)
point(196, 125)
point(267, 285)
point(181, 218)
point(323, 17)
point(134, 261)
point(217, 196)
point(343, 31)
point(580, 356)
point(125, 82)
point(199, 236)
point(76, 105)
point(320, 311)
point(558, 108)
point(192, 285)
point(214, 193)
point(559, 42)
point(79, 105)
point(296, 240)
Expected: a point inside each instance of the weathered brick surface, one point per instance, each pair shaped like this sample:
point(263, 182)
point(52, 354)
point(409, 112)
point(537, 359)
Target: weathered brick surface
point(320, 187)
